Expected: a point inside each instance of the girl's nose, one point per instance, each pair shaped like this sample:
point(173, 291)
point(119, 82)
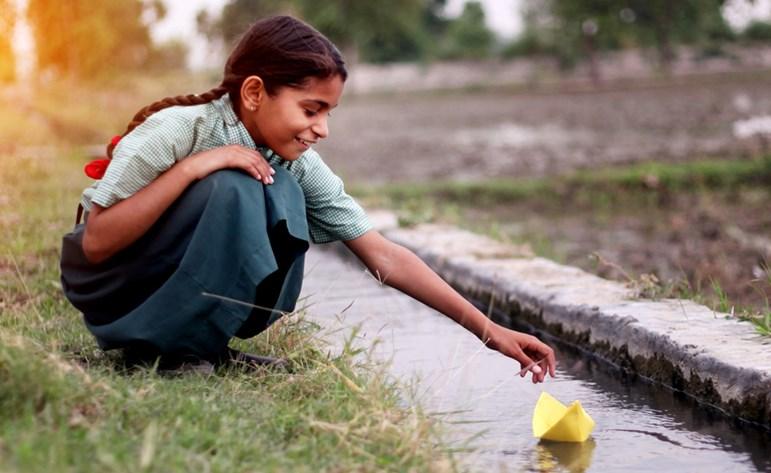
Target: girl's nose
point(320, 128)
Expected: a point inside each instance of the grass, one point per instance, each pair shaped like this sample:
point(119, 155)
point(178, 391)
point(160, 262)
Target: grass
point(648, 286)
point(613, 186)
point(68, 112)
point(65, 405)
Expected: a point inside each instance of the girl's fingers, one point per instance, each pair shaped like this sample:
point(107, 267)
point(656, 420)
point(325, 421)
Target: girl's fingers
point(268, 173)
point(527, 365)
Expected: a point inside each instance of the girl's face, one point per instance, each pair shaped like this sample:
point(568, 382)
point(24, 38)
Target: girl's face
point(292, 120)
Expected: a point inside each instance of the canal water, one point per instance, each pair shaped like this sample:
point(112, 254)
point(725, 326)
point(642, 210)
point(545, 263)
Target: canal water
point(487, 407)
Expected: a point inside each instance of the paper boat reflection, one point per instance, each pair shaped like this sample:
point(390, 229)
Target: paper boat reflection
point(552, 420)
point(572, 457)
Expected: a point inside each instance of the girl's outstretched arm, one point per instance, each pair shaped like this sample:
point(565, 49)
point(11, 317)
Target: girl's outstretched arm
point(400, 268)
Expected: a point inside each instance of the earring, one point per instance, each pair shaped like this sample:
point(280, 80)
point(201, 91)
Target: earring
point(252, 108)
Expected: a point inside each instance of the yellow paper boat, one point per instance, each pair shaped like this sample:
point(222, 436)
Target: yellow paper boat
point(552, 420)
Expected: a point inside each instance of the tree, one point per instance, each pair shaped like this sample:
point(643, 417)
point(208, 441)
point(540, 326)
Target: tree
point(91, 38)
point(577, 29)
point(664, 23)
point(467, 36)
point(758, 31)
point(375, 31)
point(372, 31)
point(237, 16)
point(586, 27)
point(7, 59)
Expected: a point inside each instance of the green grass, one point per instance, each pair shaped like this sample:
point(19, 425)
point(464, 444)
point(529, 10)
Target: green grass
point(65, 405)
point(613, 186)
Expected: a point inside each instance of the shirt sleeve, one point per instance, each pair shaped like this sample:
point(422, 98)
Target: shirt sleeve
point(144, 154)
point(332, 214)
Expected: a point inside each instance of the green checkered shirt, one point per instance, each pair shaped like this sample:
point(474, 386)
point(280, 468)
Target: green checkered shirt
point(177, 132)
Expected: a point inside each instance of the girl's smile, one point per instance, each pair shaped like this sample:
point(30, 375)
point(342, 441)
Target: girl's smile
point(294, 118)
point(305, 143)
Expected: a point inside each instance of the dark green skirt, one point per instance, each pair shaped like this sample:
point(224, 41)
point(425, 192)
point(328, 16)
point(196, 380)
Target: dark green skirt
point(227, 235)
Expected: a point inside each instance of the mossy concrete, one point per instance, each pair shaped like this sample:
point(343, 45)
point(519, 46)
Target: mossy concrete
point(716, 359)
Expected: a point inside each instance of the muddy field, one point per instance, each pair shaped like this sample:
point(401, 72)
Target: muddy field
point(478, 135)
point(696, 245)
point(722, 238)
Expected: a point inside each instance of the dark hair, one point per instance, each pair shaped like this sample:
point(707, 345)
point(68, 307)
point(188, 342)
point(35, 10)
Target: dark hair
point(283, 51)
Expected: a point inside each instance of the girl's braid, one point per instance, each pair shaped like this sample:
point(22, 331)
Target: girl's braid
point(192, 99)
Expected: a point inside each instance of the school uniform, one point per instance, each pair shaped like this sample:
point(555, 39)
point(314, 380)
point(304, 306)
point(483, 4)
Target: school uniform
point(227, 235)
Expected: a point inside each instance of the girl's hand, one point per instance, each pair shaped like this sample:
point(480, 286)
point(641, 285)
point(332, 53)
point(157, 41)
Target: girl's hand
point(229, 157)
point(526, 349)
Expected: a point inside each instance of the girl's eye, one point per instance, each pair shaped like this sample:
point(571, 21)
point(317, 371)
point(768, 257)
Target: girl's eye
point(310, 113)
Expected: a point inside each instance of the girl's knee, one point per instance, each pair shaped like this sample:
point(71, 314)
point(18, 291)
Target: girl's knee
point(228, 183)
point(283, 179)
point(228, 178)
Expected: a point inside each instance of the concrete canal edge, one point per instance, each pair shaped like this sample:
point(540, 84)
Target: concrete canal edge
point(710, 356)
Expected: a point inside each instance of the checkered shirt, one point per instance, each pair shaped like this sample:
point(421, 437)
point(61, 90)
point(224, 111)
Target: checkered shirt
point(174, 133)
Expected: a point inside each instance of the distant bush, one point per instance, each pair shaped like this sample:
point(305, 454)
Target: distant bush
point(758, 31)
point(526, 45)
point(467, 37)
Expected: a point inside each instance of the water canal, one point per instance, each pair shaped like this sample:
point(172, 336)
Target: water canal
point(641, 427)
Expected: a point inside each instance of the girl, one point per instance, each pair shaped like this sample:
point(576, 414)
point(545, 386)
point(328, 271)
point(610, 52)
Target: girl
point(220, 193)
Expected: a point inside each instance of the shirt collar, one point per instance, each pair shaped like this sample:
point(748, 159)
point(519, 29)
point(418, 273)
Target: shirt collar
point(225, 108)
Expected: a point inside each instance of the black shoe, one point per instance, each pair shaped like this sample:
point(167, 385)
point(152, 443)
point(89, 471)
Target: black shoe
point(166, 364)
point(188, 364)
point(248, 360)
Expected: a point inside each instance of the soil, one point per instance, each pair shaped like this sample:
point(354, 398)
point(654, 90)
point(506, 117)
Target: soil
point(474, 136)
point(690, 243)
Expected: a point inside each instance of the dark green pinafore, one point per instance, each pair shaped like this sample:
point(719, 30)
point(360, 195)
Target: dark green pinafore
point(227, 235)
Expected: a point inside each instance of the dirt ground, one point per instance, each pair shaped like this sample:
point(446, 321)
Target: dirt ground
point(479, 135)
point(689, 242)
point(473, 136)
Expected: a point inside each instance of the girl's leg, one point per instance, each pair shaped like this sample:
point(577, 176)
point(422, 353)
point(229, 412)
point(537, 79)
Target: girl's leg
point(227, 235)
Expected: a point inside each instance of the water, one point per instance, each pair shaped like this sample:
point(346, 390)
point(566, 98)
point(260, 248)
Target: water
point(640, 427)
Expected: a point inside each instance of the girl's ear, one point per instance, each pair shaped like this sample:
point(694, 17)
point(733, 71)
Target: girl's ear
point(252, 92)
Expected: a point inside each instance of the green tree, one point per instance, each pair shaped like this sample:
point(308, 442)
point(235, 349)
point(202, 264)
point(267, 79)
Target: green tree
point(758, 31)
point(467, 36)
point(579, 29)
point(586, 27)
point(664, 24)
point(91, 38)
point(370, 31)
point(7, 58)
point(236, 17)
point(374, 31)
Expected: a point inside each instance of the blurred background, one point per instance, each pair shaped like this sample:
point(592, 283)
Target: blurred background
point(628, 137)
